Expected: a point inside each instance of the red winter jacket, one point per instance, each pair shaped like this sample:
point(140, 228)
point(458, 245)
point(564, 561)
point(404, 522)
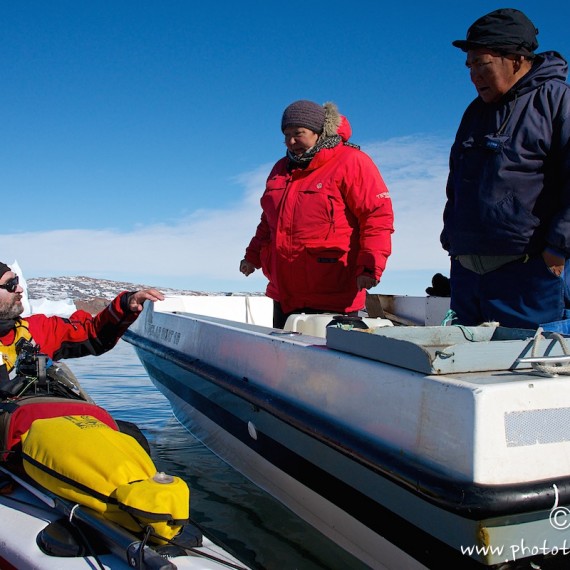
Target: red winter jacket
point(81, 334)
point(321, 228)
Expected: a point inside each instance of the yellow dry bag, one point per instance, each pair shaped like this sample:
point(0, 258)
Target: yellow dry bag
point(82, 459)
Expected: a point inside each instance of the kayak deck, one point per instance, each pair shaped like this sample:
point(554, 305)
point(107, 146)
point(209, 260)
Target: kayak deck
point(25, 517)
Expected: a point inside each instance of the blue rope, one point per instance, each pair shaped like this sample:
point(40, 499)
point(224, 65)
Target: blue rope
point(451, 316)
point(448, 319)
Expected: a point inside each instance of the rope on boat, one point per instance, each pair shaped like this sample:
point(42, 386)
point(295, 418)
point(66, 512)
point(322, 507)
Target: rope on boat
point(545, 364)
point(541, 363)
point(448, 318)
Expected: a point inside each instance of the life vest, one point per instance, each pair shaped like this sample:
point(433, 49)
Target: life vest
point(10, 351)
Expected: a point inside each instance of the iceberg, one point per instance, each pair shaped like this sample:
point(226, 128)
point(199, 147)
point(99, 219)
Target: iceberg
point(49, 307)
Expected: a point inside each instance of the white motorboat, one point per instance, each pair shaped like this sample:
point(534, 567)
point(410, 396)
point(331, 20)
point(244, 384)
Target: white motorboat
point(409, 446)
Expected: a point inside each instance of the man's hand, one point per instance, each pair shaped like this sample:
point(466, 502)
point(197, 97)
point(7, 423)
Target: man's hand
point(554, 262)
point(138, 298)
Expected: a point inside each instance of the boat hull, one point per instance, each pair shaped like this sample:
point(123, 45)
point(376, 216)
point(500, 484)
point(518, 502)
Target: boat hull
point(245, 436)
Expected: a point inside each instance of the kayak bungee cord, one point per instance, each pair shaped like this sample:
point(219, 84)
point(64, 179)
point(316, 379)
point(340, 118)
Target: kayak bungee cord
point(119, 541)
point(84, 538)
point(139, 555)
point(194, 550)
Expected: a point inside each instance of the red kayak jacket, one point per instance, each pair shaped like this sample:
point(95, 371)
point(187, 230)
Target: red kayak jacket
point(321, 228)
point(81, 334)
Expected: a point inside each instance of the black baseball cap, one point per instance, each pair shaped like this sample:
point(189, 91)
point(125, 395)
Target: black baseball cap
point(4, 268)
point(505, 30)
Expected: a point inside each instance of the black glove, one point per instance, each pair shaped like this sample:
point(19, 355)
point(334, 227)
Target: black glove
point(440, 286)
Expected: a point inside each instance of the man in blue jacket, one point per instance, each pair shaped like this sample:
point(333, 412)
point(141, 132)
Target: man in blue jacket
point(507, 216)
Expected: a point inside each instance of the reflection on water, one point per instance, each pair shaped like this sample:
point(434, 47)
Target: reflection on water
point(256, 528)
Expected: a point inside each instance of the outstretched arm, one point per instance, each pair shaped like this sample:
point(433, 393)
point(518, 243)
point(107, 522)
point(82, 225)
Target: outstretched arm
point(82, 334)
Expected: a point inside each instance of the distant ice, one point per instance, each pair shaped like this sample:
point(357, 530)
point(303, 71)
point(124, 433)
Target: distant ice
point(61, 308)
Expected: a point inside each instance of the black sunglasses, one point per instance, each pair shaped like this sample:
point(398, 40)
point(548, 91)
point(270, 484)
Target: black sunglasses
point(11, 285)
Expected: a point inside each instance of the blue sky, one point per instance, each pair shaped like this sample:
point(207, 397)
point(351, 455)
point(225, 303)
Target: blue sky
point(137, 135)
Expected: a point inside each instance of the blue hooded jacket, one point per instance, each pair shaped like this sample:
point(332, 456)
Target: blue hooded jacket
point(508, 190)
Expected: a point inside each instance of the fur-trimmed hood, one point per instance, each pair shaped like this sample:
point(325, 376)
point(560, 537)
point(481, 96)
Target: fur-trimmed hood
point(335, 123)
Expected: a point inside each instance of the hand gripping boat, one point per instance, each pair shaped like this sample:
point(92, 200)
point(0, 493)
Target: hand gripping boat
point(76, 491)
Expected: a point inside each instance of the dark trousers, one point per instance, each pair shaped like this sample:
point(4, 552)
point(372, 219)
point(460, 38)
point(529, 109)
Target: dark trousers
point(280, 318)
point(519, 294)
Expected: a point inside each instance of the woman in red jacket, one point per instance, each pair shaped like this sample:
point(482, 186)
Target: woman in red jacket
point(325, 231)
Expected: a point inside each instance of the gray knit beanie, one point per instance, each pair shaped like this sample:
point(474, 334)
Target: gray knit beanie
point(306, 114)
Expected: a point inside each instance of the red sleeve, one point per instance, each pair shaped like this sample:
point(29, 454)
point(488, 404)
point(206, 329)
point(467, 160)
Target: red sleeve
point(369, 200)
point(82, 334)
point(274, 187)
point(259, 240)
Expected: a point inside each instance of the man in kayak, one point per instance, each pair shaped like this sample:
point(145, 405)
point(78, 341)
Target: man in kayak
point(79, 335)
point(507, 216)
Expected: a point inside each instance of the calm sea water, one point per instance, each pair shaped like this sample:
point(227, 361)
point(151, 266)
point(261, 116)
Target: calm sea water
point(254, 527)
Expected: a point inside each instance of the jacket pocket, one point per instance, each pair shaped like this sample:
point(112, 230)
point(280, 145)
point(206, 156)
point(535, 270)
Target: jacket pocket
point(327, 269)
point(510, 215)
